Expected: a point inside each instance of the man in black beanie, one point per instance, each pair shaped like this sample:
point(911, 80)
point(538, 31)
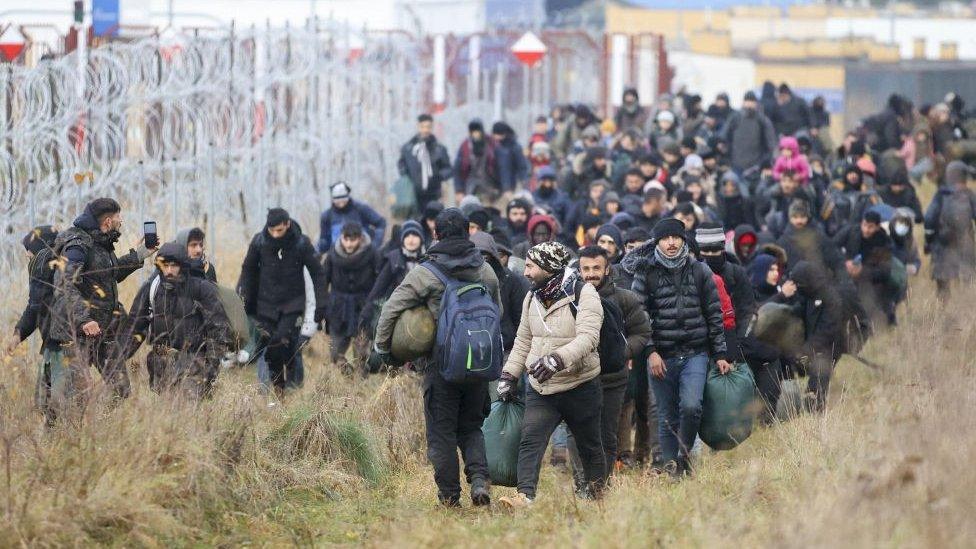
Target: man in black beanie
point(272, 285)
point(686, 318)
point(454, 412)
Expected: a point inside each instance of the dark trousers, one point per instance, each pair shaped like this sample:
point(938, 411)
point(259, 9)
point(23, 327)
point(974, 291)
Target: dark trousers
point(580, 408)
point(192, 374)
point(613, 401)
point(280, 342)
point(819, 370)
point(340, 344)
point(638, 419)
point(454, 413)
point(768, 376)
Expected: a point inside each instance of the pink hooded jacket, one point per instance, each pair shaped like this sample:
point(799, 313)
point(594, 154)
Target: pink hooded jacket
point(797, 163)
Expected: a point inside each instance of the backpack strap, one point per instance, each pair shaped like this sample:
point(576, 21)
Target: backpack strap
point(429, 265)
point(577, 292)
point(153, 286)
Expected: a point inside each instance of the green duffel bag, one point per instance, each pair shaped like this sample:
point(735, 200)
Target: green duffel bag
point(234, 308)
point(503, 434)
point(404, 199)
point(729, 407)
point(413, 334)
point(899, 277)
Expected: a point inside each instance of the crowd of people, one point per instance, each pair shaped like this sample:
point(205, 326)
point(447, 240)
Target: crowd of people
point(618, 260)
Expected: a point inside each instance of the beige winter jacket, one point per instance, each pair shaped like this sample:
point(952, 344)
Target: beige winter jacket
point(554, 330)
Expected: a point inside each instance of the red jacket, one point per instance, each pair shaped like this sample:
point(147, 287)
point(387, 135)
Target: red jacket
point(728, 312)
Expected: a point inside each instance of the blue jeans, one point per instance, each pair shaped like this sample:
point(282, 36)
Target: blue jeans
point(679, 403)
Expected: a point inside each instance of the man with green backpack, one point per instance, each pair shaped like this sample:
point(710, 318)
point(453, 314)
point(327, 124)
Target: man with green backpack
point(461, 291)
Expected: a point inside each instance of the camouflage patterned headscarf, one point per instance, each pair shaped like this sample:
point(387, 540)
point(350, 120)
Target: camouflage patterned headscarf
point(551, 257)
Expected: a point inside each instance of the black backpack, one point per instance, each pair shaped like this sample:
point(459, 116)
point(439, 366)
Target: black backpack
point(613, 343)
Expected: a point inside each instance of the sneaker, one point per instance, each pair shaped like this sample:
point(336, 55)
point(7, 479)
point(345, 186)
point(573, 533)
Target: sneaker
point(450, 501)
point(518, 501)
point(479, 493)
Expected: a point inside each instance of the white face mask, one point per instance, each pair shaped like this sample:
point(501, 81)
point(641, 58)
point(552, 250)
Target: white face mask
point(901, 229)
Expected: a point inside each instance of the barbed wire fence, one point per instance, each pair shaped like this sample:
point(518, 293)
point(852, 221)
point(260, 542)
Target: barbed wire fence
point(207, 130)
point(211, 127)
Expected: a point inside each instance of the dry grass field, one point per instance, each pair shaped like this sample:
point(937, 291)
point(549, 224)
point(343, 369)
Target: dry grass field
point(342, 462)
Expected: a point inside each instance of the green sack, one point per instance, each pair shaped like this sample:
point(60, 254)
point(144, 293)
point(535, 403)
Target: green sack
point(729, 407)
point(776, 324)
point(405, 198)
point(234, 308)
point(899, 277)
point(413, 334)
point(503, 434)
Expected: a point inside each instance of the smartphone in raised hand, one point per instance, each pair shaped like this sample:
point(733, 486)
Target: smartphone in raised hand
point(149, 231)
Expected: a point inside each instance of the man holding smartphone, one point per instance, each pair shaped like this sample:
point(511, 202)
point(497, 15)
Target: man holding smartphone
point(86, 314)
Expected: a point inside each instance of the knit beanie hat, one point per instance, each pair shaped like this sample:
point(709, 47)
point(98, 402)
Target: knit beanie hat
point(613, 232)
point(551, 257)
point(669, 227)
point(710, 237)
point(411, 227)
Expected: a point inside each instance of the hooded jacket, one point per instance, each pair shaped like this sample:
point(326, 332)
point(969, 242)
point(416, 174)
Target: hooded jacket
point(197, 267)
point(455, 257)
point(746, 230)
point(738, 209)
point(87, 289)
point(555, 330)
point(556, 201)
point(797, 163)
point(820, 307)
point(272, 282)
point(184, 314)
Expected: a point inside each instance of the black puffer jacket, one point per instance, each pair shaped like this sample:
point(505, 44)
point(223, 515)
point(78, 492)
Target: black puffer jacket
point(88, 287)
point(685, 312)
point(272, 281)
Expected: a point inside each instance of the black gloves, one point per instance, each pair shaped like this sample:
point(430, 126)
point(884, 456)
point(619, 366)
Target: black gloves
point(546, 367)
point(506, 387)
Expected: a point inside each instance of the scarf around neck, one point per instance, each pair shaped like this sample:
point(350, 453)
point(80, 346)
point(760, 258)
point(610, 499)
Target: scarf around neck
point(422, 154)
point(551, 289)
point(672, 263)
